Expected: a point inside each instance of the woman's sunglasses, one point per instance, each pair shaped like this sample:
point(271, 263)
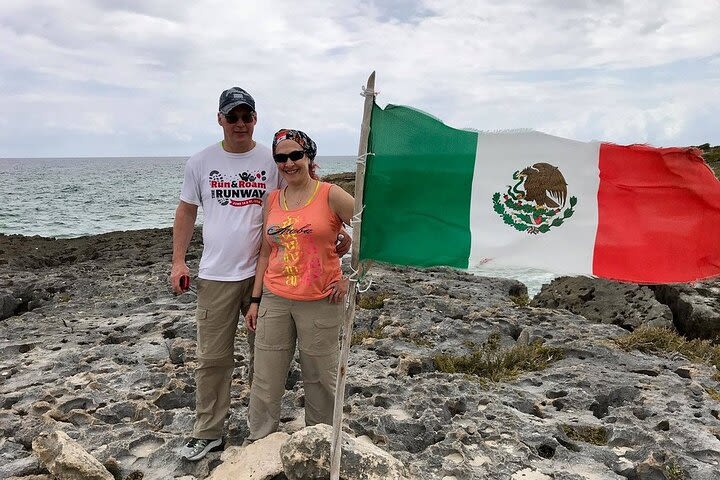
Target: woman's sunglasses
point(233, 117)
point(294, 156)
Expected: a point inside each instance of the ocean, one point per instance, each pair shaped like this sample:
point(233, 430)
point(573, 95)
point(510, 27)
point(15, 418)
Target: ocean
point(73, 197)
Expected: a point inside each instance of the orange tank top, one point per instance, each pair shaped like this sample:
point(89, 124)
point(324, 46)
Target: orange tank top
point(303, 261)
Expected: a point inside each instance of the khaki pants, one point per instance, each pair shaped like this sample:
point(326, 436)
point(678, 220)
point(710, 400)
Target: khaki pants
point(219, 305)
point(315, 325)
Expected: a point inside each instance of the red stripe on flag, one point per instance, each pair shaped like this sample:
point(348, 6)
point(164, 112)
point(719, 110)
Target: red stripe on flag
point(658, 215)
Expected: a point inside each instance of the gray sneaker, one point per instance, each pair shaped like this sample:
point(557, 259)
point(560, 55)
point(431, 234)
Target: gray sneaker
point(197, 448)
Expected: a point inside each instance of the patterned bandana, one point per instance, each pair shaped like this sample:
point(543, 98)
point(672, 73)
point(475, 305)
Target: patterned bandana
point(298, 137)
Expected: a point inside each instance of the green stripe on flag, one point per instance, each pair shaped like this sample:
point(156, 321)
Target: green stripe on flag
point(417, 194)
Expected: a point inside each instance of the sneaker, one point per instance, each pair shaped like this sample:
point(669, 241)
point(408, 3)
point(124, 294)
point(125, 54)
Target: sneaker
point(197, 448)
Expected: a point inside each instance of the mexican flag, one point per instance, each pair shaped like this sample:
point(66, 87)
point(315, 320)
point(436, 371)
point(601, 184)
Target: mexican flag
point(436, 195)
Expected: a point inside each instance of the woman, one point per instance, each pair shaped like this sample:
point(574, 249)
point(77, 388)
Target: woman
point(299, 289)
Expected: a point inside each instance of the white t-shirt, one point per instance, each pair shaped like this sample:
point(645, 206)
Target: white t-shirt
point(230, 188)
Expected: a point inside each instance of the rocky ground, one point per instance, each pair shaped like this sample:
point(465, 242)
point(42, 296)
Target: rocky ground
point(96, 350)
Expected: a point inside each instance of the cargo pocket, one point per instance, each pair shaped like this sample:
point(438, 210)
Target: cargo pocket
point(201, 331)
point(213, 339)
point(260, 324)
point(329, 315)
point(327, 323)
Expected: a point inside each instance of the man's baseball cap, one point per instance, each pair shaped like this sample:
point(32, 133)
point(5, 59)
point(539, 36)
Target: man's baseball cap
point(232, 97)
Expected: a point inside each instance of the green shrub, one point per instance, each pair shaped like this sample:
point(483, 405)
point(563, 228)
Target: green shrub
point(712, 157)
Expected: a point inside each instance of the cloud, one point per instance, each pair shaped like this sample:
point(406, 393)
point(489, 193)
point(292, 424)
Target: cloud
point(138, 77)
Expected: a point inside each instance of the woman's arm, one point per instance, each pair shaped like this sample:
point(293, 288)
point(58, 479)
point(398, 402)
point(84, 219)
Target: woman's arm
point(342, 203)
point(336, 199)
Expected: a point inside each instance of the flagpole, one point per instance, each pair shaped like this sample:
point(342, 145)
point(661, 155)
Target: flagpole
point(336, 445)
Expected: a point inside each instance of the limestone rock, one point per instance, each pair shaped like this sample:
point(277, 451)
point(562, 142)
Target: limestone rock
point(307, 455)
point(20, 467)
point(107, 354)
point(530, 474)
point(66, 459)
point(33, 477)
point(258, 461)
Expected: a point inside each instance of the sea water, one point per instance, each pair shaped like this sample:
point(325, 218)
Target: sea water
point(72, 197)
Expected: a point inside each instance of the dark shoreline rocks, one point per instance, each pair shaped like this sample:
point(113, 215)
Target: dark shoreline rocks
point(103, 352)
point(344, 180)
point(692, 310)
point(627, 305)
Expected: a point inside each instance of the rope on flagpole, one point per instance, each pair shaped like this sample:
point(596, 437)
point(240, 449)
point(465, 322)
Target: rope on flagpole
point(369, 92)
point(356, 277)
point(362, 159)
point(363, 290)
point(357, 217)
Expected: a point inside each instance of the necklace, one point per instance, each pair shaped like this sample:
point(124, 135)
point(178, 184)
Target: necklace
point(297, 203)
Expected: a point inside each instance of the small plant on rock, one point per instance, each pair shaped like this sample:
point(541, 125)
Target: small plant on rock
point(359, 336)
point(662, 340)
point(587, 434)
point(714, 394)
point(490, 362)
point(372, 301)
point(64, 297)
point(420, 340)
point(521, 300)
point(673, 471)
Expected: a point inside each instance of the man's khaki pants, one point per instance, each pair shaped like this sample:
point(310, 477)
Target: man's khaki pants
point(315, 325)
point(219, 305)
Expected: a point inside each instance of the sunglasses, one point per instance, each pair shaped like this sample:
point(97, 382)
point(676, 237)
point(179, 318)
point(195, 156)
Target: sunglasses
point(233, 117)
point(294, 156)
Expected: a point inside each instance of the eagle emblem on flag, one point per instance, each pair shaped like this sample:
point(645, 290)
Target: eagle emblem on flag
point(537, 202)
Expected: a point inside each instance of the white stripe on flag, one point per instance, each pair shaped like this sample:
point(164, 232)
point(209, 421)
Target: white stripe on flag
point(564, 249)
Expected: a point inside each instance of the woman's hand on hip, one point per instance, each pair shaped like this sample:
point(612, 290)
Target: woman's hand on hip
point(251, 317)
point(338, 290)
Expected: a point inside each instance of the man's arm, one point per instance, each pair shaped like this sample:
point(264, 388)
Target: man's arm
point(262, 265)
point(183, 227)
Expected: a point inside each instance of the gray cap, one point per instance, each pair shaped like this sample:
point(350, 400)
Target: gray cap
point(232, 97)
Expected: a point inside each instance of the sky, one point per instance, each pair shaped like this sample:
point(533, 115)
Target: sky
point(143, 77)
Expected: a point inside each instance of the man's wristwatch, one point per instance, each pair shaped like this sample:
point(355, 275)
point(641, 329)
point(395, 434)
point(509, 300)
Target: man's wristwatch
point(255, 299)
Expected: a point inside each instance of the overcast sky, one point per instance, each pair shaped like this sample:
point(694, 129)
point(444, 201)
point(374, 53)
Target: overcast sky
point(142, 77)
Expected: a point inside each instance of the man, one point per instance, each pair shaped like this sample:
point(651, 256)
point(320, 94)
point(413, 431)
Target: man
point(229, 180)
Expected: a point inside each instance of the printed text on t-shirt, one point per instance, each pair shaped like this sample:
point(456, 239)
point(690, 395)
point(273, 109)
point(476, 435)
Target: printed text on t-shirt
point(239, 190)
